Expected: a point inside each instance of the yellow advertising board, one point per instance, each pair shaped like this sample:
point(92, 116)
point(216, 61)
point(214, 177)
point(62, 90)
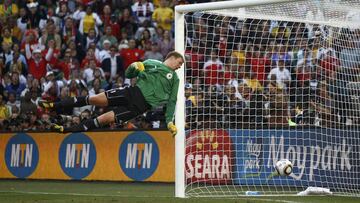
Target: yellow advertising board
point(109, 156)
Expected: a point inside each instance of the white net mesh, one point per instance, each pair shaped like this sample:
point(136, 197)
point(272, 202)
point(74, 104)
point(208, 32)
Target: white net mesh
point(270, 82)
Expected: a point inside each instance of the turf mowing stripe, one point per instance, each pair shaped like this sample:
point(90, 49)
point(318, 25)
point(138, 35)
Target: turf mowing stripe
point(125, 196)
point(80, 194)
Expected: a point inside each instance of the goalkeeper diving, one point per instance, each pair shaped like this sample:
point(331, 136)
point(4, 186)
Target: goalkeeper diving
point(157, 84)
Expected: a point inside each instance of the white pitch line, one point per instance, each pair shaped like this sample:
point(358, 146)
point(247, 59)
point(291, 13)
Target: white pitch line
point(273, 200)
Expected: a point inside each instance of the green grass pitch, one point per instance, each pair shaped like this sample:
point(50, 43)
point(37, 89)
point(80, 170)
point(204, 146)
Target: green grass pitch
point(76, 191)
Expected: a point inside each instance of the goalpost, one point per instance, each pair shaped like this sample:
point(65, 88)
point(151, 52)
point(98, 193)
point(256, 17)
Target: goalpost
point(266, 80)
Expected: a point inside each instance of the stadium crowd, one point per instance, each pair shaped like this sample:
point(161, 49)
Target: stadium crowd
point(267, 73)
point(243, 72)
point(56, 49)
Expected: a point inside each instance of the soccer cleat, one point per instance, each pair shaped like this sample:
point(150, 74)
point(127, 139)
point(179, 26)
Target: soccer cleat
point(46, 104)
point(57, 128)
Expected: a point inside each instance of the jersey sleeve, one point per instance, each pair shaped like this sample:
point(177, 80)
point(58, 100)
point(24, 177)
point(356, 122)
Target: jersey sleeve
point(170, 107)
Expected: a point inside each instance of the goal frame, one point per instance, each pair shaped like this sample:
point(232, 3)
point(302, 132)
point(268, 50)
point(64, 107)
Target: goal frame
point(180, 140)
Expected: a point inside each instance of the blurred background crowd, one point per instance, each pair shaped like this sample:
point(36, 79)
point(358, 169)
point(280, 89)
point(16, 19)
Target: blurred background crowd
point(266, 73)
point(242, 72)
point(56, 49)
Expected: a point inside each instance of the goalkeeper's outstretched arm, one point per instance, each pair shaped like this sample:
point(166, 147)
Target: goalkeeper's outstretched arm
point(134, 69)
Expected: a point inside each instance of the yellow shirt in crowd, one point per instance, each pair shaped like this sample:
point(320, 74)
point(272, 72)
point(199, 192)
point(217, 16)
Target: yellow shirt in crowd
point(4, 112)
point(11, 10)
point(161, 14)
point(88, 23)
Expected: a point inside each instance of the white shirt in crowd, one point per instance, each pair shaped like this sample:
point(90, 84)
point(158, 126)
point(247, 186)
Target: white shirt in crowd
point(281, 76)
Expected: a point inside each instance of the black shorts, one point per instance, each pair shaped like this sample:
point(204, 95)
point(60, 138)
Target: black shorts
point(126, 103)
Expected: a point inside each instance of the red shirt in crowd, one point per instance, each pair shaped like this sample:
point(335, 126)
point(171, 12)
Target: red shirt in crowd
point(85, 62)
point(65, 68)
point(213, 74)
point(38, 70)
point(258, 66)
point(131, 55)
point(329, 64)
point(193, 61)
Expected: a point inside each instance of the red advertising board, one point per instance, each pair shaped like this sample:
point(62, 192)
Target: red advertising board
point(208, 156)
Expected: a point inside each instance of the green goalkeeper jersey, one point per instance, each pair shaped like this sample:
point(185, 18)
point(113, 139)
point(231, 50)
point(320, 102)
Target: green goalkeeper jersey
point(158, 83)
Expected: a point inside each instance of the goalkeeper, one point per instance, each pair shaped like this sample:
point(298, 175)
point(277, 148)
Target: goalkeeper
point(157, 84)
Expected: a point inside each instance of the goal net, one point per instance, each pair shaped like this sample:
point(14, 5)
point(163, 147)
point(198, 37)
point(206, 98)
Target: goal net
point(264, 82)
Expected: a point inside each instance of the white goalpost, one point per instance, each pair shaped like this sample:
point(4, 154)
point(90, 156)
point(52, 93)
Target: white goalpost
point(266, 80)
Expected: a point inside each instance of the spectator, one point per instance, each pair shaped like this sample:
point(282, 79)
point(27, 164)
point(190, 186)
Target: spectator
point(21, 21)
point(212, 68)
point(4, 110)
point(78, 110)
point(324, 106)
point(31, 37)
point(279, 114)
point(108, 36)
point(20, 65)
point(7, 53)
point(105, 52)
point(90, 38)
point(15, 87)
point(36, 63)
point(12, 101)
point(163, 16)
point(98, 74)
point(27, 106)
point(166, 43)
point(88, 74)
point(63, 11)
point(131, 54)
point(113, 66)
point(145, 40)
point(142, 10)
point(127, 22)
point(64, 66)
point(34, 16)
point(106, 15)
point(282, 74)
point(194, 60)
point(7, 37)
point(88, 20)
point(69, 32)
point(153, 53)
point(90, 55)
point(260, 65)
point(8, 8)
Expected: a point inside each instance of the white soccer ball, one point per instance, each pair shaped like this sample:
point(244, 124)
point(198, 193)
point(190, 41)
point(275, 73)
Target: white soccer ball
point(284, 167)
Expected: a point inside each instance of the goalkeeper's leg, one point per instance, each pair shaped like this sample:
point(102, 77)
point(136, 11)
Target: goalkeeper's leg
point(97, 100)
point(119, 115)
point(87, 124)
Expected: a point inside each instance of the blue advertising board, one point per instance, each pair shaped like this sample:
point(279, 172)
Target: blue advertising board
point(321, 157)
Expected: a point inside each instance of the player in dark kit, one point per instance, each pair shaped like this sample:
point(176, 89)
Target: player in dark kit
point(157, 84)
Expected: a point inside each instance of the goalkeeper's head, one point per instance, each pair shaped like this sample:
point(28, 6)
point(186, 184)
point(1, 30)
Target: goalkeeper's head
point(174, 60)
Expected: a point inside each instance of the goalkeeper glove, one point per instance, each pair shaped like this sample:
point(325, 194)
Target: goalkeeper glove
point(172, 128)
point(138, 66)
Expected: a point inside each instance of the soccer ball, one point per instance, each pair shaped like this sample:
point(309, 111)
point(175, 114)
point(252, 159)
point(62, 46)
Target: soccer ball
point(284, 167)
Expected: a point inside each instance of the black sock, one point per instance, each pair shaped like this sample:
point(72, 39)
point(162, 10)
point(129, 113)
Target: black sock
point(84, 126)
point(81, 101)
point(72, 102)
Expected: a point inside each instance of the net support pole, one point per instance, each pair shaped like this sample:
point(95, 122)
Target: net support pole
point(180, 110)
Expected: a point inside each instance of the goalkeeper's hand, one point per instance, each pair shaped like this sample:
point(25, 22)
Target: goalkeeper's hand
point(172, 128)
point(138, 66)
